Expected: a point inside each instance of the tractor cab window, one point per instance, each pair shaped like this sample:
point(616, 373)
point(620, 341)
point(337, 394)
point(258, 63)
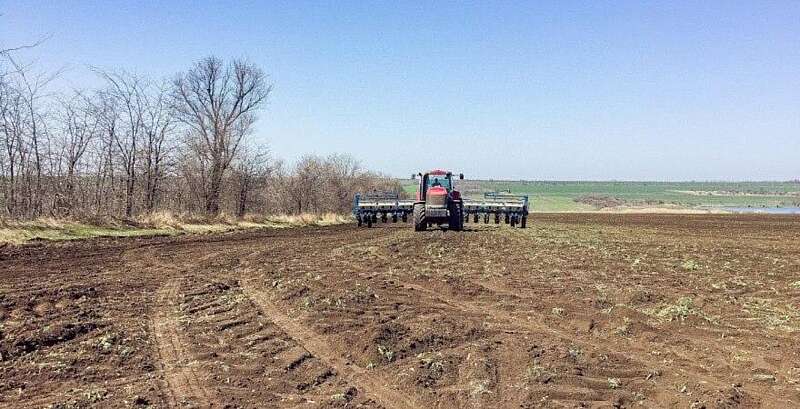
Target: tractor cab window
point(439, 180)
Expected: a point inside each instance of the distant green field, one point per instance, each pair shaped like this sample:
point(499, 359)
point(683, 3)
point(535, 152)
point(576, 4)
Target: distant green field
point(554, 196)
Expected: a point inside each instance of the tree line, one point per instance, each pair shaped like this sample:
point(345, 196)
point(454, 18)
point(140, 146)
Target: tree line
point(136, 145)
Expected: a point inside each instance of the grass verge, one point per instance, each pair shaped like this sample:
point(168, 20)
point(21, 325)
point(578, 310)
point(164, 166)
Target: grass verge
point(157, 224)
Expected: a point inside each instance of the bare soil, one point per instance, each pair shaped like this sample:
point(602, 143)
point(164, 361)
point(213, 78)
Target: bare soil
point(578, 310)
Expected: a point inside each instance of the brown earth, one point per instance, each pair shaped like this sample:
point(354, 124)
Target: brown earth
point(578, 310)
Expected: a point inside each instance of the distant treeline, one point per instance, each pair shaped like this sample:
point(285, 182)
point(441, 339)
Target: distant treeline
point(136, 145)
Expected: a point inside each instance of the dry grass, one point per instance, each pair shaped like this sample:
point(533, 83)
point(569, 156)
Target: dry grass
point(48, 228)
point(325, 219)
point(159, 223)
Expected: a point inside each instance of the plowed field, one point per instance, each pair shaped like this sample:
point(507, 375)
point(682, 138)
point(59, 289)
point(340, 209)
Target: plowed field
point(593, 310)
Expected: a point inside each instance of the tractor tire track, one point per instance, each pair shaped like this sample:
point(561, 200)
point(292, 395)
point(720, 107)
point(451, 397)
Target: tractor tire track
point(635, 355)
point(577, 391)
point(370, 383)
point(684, 367)
point(184, 386)
point(588, 389)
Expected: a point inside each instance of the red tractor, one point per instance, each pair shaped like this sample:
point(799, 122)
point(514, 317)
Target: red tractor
point(438, 202)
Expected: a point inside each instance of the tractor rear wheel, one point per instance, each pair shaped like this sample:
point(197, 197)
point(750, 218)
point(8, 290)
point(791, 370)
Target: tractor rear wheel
point(456, 222)
point(419, 217)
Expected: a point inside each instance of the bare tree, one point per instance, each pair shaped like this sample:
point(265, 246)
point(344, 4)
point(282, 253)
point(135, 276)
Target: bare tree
point(114, 151)
point(7, 53)
point(250, 170)
point(9, 50)
point(159, 128)
point(80, 124)
point(343, 175)
point(307, 183)
point(30, 91)
point(325, 184)
point(13, 119)
point(218, 103)
point(126, 94)
point(105, 177)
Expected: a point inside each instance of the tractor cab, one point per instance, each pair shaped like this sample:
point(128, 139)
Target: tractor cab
point(437, 181)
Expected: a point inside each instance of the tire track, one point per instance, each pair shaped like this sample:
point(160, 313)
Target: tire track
point(184, 386)
point(636, 355)
point(687, 367)
point(572, 393)
point(370, 383)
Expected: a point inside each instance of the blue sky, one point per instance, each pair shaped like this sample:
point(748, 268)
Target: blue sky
point(535, 90)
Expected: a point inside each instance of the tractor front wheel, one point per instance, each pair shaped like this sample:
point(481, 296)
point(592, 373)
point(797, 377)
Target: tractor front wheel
point(419, 217)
